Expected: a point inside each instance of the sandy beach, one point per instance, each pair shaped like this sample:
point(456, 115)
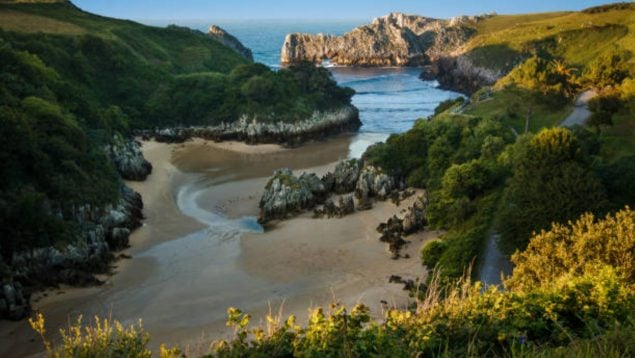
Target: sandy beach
point(201, 251)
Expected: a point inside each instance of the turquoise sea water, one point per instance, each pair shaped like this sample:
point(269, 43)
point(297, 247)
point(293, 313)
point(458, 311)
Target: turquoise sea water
point(389, 99)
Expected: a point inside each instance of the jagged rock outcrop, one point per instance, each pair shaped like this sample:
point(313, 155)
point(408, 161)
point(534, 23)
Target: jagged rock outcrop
point(373, 183)
point(346, 175)
point(461, 74)
point(101, 231)
point(402, 40)
point(394, 229)
point(252, 131)
point(393, 40)
point(128, 159)
point(345, 206)
point(286, 194)
point(230, 41)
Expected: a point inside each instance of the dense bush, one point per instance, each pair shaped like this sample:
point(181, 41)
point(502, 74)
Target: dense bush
point(552, 182)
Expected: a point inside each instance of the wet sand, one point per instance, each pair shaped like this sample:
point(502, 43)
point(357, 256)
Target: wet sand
point(200, 250)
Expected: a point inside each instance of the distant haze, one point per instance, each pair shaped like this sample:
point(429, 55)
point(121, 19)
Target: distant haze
point(324, 9)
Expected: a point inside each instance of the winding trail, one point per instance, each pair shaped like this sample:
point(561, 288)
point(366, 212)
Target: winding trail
point(581, 113)
point(495, 263)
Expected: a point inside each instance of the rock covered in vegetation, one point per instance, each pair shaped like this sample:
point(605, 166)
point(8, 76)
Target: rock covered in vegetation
point(128, 159)
point(222, 36)
point(392, 40)
point(459, 73)
point(102, 230)
point(253, 131)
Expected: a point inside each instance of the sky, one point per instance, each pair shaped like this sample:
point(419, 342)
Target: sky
point(317, 9)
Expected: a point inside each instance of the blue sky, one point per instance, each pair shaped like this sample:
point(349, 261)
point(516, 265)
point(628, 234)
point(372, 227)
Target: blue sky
point(316, 9)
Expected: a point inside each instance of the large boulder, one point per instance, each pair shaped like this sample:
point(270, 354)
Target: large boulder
point(286, 194)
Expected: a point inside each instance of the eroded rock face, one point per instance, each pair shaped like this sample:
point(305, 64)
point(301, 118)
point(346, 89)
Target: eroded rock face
point(393, 40)
point(101, 231)
point(286, 194)
point(128, 159)
point(252, 131)
point(346, 175)
point(230, 41)
point(373, 183)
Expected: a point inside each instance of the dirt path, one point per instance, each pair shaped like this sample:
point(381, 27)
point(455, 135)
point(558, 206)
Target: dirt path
point(495, 262)
point(581, 112)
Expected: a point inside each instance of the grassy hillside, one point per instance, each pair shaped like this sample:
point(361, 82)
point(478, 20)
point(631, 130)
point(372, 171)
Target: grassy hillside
point(576, 37)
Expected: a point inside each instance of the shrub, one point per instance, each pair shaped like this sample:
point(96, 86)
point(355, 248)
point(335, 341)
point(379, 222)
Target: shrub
point(431, 253)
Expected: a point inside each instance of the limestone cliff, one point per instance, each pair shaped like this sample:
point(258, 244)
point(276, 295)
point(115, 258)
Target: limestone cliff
point(401, 40)
point(393, 40)
point(230, 41)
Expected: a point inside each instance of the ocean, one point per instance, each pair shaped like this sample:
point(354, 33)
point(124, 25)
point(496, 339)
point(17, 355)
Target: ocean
point(390, 99)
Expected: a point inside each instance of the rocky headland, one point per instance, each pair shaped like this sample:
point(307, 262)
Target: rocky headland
point(401, 40)
point(254, 131)
point(229, 40)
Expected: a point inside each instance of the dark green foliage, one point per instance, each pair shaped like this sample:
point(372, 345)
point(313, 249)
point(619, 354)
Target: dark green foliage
point(604, 107)
point(551, 182)
point(619, 180)
point(287, 95)
point(63, 96)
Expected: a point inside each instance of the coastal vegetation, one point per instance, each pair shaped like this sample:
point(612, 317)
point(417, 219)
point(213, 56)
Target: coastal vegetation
point(73, 83)
point(572, 290)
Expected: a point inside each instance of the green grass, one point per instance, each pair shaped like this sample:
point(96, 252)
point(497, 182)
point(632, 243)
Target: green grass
point(510, 107)
point(178, 50)
point(503, 40)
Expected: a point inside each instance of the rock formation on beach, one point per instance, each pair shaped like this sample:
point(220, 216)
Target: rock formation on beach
point(230, 41)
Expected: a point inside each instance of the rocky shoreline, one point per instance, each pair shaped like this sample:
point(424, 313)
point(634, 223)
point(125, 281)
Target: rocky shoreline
point(352, 186)
point(252, 131)
point(401, 40)
point(103, 231)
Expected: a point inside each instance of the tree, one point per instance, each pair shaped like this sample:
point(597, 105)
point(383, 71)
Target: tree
point(551, 182)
